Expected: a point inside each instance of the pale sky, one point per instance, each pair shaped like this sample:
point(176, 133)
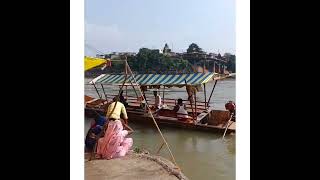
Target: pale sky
point(128, 25)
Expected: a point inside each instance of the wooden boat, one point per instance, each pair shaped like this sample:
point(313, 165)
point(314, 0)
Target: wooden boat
point(203, 117)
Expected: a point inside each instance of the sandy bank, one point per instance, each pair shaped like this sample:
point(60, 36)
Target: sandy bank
point(132, 166)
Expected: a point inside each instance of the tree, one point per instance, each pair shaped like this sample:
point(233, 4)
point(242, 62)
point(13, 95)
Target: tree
point(151, 59)
point(143, 57)
point(194, 48)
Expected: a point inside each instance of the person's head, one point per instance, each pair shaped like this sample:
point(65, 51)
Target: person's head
point(116, 98)
point(155, 93)
point(180, 101)
point(230, 106)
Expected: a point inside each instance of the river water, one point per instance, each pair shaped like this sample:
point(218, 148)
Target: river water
point(200, 155)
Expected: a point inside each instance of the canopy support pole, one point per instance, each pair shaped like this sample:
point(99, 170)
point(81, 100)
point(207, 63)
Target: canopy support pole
point(195, 104)
point(163, 94)
point(205, 96)
point(97, 92)
point(212, 92)
point(126, 72)
point(105, 95)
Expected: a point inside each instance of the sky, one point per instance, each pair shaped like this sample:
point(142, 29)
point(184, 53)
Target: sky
point(128, 25)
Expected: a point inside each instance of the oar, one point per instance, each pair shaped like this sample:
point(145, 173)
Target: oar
point(227, 126)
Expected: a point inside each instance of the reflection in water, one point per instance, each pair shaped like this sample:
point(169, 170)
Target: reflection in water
point(200, 155)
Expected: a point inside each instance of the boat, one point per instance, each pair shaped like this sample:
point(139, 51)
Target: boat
point(202, 116)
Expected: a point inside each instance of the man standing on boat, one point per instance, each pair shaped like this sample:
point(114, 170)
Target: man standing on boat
point(190, 90)
point(115, 109)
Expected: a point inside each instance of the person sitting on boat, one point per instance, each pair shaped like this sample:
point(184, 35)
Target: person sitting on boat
point(181, 111)
point(231, 107)
point(115, 109)
point(158, 101)
point(143, 103)
point(123, 100)
point(114, 144)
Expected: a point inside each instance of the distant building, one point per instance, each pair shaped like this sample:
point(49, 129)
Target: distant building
point(117, 55)
point(127, 53)
point(100, 56)
point(212, 55)
point(166, 50)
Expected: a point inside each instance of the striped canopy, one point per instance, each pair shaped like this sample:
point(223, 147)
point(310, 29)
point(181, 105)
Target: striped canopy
point(157, 79)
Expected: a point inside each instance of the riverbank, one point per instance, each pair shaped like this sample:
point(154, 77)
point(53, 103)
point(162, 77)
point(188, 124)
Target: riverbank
point(133, 166)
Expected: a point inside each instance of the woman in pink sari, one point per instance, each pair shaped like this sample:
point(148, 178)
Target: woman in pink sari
point(114, 143)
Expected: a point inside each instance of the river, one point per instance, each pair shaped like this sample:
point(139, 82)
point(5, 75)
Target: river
point(200, 155)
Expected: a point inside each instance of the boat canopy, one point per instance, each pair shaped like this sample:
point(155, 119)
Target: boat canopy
point(91, 62)
point(157, 79)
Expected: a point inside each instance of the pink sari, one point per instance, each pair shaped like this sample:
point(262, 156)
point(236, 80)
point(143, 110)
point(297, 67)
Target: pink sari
point(114, 144)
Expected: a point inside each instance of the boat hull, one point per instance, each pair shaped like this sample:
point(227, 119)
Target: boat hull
point(145, 118)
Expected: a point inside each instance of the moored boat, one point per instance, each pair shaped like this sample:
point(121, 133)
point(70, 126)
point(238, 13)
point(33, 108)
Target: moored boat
point(201, 115)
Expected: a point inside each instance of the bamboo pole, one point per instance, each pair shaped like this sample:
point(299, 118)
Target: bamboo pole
point(149, 111)
point(126, 63)
point(134, 89)
point(160, 148)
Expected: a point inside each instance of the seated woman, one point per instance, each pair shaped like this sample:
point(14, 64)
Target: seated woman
point(181, 111)
point(114, 144)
